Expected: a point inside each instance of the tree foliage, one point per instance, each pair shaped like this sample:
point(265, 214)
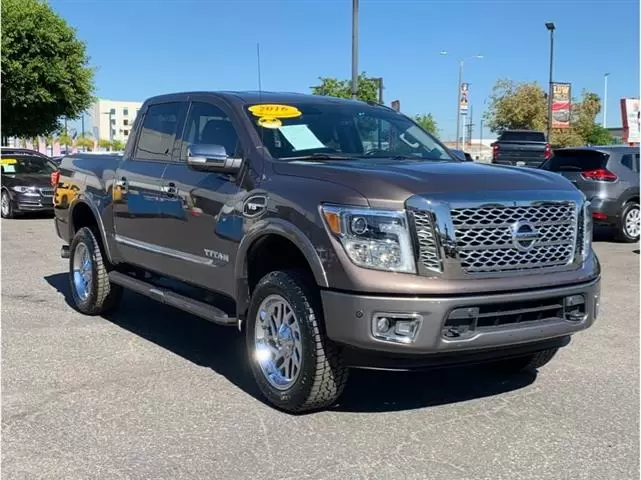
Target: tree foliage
point(367, 88)
point(515, 105)
point(45, 73)
point(427, 122)
point(117, 145)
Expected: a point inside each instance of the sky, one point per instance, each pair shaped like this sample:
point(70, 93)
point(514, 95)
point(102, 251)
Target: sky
point(142, 48)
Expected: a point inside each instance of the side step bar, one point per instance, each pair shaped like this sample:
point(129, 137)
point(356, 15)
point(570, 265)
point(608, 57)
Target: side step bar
point(186, 304)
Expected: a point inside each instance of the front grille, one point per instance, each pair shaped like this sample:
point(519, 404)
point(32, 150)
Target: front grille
point(428, 247)
point(485, 241)
point(46, 192)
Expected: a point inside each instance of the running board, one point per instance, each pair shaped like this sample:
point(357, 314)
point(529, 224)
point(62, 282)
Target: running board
point(168, 297)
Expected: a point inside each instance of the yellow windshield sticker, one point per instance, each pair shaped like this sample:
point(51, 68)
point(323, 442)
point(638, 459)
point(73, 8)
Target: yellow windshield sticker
point(267, 122)
point(275, 111)
point(8, 161)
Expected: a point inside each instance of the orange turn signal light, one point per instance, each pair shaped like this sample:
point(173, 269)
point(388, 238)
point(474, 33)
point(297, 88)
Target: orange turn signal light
point(333, 220)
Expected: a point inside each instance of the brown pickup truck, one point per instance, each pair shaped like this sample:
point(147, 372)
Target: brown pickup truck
point(336, 234)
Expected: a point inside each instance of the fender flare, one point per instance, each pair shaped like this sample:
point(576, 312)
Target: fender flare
point(96, 213)
point(282, 228)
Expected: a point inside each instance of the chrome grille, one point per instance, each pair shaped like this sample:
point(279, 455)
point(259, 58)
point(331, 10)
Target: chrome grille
point(484, 237)
point(46, 192)
point(428, 248)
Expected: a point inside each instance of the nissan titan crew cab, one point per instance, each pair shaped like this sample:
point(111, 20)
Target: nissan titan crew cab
point(334, 233)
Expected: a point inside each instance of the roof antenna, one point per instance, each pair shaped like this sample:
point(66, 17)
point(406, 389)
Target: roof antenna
point(260, 89)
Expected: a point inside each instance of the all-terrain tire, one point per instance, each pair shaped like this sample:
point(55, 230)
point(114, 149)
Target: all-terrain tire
point(102, 297)
point(323, 374)
point(527, 363)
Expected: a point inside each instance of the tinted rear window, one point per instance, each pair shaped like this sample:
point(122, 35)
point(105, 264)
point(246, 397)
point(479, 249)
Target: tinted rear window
point(523, 137)
point(575, 161)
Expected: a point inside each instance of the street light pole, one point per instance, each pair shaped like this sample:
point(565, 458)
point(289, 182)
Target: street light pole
point(354, 48)
point(605, 101)
point(550, 26)
point(458, 103)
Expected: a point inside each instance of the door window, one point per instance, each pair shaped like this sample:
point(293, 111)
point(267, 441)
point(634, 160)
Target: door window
point(208, 124)
point(158, 132)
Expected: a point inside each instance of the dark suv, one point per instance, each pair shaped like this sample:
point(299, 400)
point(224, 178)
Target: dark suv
point(609, 178)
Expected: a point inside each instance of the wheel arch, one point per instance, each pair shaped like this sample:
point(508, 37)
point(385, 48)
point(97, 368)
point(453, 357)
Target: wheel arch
point(84, 213)
point(274, 236)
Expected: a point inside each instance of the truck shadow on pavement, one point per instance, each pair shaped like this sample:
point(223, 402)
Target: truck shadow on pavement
point(222, 349)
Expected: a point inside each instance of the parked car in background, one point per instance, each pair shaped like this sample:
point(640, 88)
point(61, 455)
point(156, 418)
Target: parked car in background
point(609, 178)
point(466, 157)
point(26, 182)
point(523, 148)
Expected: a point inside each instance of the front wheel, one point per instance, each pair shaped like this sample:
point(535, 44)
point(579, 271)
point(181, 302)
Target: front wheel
point(295, 366)
point(5, 205)
point(630, 225)
point(92, 292)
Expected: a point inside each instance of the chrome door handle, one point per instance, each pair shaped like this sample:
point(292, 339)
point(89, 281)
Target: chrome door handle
point(170, 189)
point(122, 183)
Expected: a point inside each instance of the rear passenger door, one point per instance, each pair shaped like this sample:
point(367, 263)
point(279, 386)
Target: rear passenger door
point(206, 238)
point(628, 173)
point(137, 193)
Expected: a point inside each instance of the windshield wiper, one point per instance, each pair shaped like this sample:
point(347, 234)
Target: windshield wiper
point(319, 156)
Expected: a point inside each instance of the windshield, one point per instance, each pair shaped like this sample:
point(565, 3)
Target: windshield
point(342, 130)
point(26, 164)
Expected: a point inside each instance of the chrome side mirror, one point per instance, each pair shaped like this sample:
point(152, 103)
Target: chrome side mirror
point(212, 158)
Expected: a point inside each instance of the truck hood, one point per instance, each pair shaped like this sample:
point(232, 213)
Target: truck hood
point(388, 183)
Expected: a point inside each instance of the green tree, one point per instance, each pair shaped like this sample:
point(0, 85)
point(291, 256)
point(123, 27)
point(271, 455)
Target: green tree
point(85, 142)
point(118, 145)
point(367, 88)
point(515, 105)
point(427, 122)
point(45, 73)
point(106, 144)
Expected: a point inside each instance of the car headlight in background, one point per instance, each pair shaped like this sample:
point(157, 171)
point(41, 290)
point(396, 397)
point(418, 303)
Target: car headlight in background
point(377, 239)
point(25, 190)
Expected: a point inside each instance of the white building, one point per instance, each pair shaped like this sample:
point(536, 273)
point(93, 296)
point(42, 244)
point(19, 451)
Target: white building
point(113, 120)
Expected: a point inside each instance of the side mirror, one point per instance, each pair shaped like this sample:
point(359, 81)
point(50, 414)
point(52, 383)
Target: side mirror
point(212, 158)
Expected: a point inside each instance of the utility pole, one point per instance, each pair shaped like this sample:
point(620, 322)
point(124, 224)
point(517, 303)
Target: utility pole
point(470, 126)
point(550, 26)
point(354, 49)
point(458, 105)
point(605, 101)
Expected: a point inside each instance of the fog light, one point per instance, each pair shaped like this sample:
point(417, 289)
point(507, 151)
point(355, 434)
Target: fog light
point(396, 327)
point(382, 325)
point(575, 308)
point(574, 300)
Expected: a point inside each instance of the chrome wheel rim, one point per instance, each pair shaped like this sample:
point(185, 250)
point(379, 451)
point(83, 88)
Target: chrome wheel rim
point(277, 342)
point(82, 271)
point(633, 223)
point(5, 205)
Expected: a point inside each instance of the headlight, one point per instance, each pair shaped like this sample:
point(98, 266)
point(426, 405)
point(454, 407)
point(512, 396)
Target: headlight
point(377, 239)
point(20, 189)
point(587, 231)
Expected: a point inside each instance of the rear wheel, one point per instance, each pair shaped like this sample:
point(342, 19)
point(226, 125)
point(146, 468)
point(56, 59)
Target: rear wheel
point(92, 292)
point(526, 363)
point(295, 366)
point(630, 223)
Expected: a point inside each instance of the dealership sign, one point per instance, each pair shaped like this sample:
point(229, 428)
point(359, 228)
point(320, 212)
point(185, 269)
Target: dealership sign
point(631, 120)
point(561, 105)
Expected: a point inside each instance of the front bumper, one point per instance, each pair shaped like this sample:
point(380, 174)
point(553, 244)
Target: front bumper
point(32, 203)
point(348, 319)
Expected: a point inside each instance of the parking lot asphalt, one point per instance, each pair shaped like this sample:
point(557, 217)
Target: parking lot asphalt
point(153, 393)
